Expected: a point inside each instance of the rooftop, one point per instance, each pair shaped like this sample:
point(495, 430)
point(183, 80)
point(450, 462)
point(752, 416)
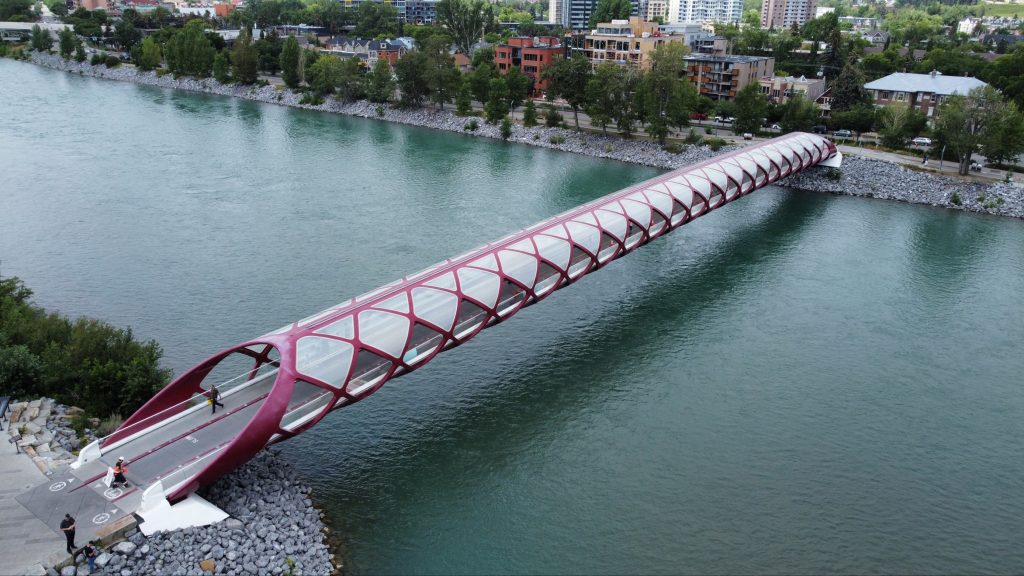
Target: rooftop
point(937, 84)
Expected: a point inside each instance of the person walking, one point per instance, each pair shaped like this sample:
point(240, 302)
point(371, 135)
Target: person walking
point(214, 397)
point(67, 525)
point(120, 469)
point(90, 552)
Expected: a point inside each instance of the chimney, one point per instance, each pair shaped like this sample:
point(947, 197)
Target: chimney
point(934, 73)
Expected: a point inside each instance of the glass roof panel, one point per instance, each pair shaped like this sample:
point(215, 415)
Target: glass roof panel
point(343, 328)
point(397, 303)
point(558, 231)
point(324, 359)
point(523, 245)
point(682, 192)
point(639, 212)
point(588, 237)
point(518, 266)
point(435, 306)
point(660, 200)
point(480, 285)
point(613, 223)
point(446, 281)
point(553, 250)
point(700, 184)
point(384, 331)
point(486, 261)
point(586, 218)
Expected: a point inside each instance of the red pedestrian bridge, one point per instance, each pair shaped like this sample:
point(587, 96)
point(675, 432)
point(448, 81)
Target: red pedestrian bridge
point(282, 383)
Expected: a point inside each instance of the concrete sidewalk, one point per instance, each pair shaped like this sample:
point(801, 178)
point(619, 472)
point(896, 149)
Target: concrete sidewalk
point(26, 543)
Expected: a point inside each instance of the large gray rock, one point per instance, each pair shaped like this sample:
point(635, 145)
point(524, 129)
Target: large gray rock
point(103, 559)
point(125, 547)
point(68, 571)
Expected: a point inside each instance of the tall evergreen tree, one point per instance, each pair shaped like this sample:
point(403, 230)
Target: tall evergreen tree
point(189, 51)
point(290, 55)
point(497, 100)
point(380, 85)
point(149, 54)
point(848, 89)
point(244, 59)
point(443, 77)
point(66, 39)
point(413, 83)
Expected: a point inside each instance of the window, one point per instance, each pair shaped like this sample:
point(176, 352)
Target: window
point(901, 96)
point(885, 95)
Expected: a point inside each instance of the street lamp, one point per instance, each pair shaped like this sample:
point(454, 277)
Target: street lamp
point(942, 155)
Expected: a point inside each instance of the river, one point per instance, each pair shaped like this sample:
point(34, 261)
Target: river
point(796, 383)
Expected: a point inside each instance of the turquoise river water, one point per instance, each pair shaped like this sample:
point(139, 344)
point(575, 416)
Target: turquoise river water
point(796, 383)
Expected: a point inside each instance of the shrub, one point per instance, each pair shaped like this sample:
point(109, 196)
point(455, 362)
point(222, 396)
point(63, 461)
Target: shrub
point(536, 136)
point(109, 424)
point(96, 59)
point(708, 130)
point(833, 174)
point(471, 126)
point(506, 128)
point(556, 139)
point(607, 148)
point(673, 148)
point(312, 98)
point(955, 199)
point(112, 61)
point(551, 117)
point(715, 143)
point(381, 111)
point(161, 72)
point(693, 137)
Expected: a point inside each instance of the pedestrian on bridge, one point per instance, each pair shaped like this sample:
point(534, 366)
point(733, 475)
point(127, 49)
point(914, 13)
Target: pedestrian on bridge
point(67, 525)
point(214, 397)
point(120, 469)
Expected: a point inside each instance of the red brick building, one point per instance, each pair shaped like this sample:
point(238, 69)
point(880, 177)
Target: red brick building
point(530, 55)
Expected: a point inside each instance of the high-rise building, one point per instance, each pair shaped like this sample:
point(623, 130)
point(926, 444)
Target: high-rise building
point(785, 13)
point(724, 11)
point(575, 14)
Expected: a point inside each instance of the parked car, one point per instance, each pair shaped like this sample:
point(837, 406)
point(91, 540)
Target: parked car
point(843, 134)
point(698, 116)
point(921, 141)
point(728, 120)
point(775, 127)
point(821, 129)
point(748, 136)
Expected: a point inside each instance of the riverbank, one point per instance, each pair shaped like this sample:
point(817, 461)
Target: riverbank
point(858, 177)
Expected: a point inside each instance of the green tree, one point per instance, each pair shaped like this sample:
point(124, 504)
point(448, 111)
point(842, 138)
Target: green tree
point(375, 19)
point(529, 114)
point(221, 68)
point(66, 39)
point(551, 116)
point(897, 123)
point(859, 119)
point(751, 109)
point(848, 89)
point(798, 115)
point(880, 64)
point(16, 10)
point(290, 55)
point(244, 59)
point(518, 85)
point(568, 78)
point(381, 83)
point(189, 51)
point(58, 7)
point(352, 82)
point(443, 77)
point(79, 51)
point(149, 54)
point(325, 74)
point(980, 118)
point(601, 89)
point(480, 80)
point(506, 128)
point(41, 39)
point(464, 99)
point(413, 83)
point(665, 96)
point(21, 371)
point(126, 35)
point(608, 10)
point(497, 101)
point(466, 21)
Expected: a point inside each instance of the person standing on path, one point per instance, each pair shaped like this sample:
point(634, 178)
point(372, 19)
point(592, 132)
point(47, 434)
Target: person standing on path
point(67, 525)
point(120, 469)
point(90, 553)
point(214, 397)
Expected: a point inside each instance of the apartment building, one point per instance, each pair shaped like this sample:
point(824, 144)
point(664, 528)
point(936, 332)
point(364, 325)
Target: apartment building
point(780, 89)
point(625, 42)
point(657, 9)
point(575, 14)
point(926, 92)
point(530, 55)
point(785, 13)
point(721, 77)
point(723, 11)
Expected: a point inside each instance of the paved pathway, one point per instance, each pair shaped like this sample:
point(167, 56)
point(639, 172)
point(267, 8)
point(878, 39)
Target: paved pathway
point(26, 543)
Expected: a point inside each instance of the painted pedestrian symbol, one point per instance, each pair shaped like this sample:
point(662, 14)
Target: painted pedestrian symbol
point(58, 486)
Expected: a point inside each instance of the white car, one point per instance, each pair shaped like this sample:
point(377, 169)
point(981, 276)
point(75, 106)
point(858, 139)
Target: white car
point(921, 141)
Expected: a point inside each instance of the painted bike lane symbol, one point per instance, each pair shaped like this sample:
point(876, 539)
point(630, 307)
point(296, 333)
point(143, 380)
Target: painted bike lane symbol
point(112, 493)
point(58, 486)
point(100, 518)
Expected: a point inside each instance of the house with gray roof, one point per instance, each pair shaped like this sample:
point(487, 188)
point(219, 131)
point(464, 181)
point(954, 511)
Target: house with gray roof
point(922, 91)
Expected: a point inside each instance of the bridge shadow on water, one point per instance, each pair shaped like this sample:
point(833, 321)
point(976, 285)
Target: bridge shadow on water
point(507, 410)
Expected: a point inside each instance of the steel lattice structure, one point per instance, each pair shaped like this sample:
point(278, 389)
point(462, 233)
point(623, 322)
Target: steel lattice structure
point(345, 353)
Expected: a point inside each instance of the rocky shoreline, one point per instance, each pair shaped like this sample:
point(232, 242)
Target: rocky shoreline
point(858, 176)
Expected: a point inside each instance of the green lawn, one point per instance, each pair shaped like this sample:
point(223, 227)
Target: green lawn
point(1003, 9)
